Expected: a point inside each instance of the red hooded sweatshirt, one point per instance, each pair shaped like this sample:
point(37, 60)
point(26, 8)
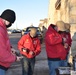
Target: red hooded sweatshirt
point(54, 47)
point(6, 56)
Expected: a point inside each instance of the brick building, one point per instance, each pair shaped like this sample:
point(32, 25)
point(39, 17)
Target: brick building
point(62, 10)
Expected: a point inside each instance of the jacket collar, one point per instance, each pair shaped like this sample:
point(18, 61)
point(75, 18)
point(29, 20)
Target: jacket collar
point(2, 24)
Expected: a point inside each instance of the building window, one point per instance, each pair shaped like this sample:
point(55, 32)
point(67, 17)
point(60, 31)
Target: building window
point(58, 4)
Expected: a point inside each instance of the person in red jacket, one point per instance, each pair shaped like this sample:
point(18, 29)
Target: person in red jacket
point(66, 40)
point(54, 48)
point(29, 46)
point(6, 55)
point(62, 32)
point(68, 35)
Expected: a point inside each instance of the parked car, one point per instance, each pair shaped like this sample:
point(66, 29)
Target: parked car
point(16, 31)
point(9, 31)
point(39, 33)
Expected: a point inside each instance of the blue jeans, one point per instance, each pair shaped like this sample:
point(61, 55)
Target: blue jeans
point(64, 63)
point(53, 65)
point(28, 66)
point(2, 72)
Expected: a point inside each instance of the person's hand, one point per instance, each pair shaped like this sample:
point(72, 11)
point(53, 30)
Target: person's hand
point(19, 58)
point(64, 39)
point(24, 50)
point(66, 45)
point(31, 53)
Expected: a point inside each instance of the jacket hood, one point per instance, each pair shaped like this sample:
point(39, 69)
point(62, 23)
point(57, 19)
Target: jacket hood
point(51, 28)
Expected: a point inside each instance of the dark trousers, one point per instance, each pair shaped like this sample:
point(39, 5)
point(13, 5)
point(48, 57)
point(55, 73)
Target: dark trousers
point(28, 66)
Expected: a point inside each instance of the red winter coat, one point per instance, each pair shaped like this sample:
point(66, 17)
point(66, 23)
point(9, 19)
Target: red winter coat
point(32, 44)
point(54, 47)
point(6, 57)
point(68, 39)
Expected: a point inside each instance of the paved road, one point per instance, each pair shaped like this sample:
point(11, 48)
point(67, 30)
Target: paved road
point(41, 66)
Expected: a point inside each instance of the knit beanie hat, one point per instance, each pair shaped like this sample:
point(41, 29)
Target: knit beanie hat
point(9, 15)
point(61, 25)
